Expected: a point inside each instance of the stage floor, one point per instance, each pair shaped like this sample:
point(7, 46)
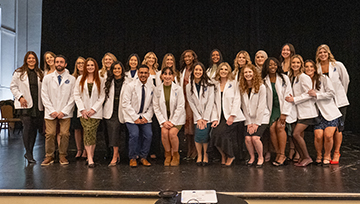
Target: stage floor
point(17, 174)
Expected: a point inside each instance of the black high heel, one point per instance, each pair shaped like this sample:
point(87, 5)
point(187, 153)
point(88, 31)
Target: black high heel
point(30, 160)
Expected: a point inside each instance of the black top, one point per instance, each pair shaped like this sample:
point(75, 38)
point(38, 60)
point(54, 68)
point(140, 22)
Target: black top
point(118, 85)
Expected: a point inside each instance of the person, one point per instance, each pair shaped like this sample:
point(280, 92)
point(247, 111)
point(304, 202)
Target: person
point(339, 77)
point(138, 112)
point(287, 51)
point(131, 67)
point(226, 114)
point(242, 58)
point(260, 58)
point(324, 94)
point(89, 97)
point(58, 99)
point(106, 62)
point(305, 107)
point(75, 121)
point(169, 61)
point(278, 86)
point(169, 108)
point(113, 113)
point(151, 61)
point(200, 94)
point(187, 60)
point(49, 62)
point(253, 103)
point(26, 88)
point(215, 59)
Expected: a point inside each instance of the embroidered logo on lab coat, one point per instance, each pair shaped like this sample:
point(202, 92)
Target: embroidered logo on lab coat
point(334, 69)
point(205, 88)
point(230, 86)
point(67, 81)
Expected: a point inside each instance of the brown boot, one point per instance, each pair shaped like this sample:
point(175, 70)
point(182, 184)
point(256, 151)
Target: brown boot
point(167, 159)
point(175, 159)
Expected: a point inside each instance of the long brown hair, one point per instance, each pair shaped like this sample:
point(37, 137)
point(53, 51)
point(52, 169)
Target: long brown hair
point(24, 68)
point(256, 80)
point(86, 74)
point(76, 73)
point(46, 66)
point(316, 78)
point(182, 62)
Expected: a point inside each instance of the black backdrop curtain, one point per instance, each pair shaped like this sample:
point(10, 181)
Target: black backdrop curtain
point(90, 28)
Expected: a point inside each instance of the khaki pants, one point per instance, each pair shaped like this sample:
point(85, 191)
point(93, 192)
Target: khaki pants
point(50, 135)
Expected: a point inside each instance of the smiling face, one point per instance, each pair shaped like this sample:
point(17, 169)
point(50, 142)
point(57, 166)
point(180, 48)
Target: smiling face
point(188, 58)
point(296, 64)
point(80, 64)
point(50, 60)
point(215, 57)
point(167, 76)
point(323, 55)
point(272, 67)
point(198, 72)
point(90, 67)
point(60, 64)
point(285, 52)
point(241, 60)
point(31, 61)
point(224, 72)
point(143, 74)
point(108, 61)
point(248, 74)
point(309, 69)
point(151, 60)
point(260, 59)
point(133, 62)
point(169, 61)
point(117, 71)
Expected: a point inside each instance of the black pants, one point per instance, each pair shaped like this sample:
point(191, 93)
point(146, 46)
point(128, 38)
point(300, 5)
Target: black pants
point(30, 127)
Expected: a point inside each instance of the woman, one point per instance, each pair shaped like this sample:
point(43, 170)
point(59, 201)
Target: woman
point(114, 88)
point(200, 94)
point(242, 58)
point(215, 59)
point(169, 61)
point(323, 92)
point(260, 58)
point(151, 61)
point(76, 124)
point(253, 103)
point(287, 51)
point(226, 114)
point(26, 88)
point(339, 77)
point(106, 62)
point(187, 60)
point(89, 97)
point(131, 67)
point(49, 62)
point(169, 108)
point(305, 107)
point(277, 88)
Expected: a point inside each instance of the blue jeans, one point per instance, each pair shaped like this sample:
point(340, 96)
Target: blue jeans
point(139, 139)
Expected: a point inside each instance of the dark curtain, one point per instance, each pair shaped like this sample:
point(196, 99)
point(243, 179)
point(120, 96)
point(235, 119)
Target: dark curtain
point(91, 28)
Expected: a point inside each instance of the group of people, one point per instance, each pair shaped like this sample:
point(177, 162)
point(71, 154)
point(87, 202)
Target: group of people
point(218, 107)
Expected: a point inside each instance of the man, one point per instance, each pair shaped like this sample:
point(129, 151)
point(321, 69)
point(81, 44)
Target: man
point(58, 99)
point(138, 111)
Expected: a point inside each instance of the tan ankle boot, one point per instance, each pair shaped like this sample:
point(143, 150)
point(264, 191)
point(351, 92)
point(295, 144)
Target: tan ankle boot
point(175, 159)
point(167, 159)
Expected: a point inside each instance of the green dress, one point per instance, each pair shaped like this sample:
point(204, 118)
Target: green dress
point(275, 113)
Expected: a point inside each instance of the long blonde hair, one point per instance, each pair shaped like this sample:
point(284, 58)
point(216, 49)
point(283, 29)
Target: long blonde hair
point(302, 68)
point(146, 58)
point(230, 76)
point(76, 74)
point(327, 49)
point(46, 66)
point(173, 68)
point(257, 81)
point(247, 58)
point(103, 69)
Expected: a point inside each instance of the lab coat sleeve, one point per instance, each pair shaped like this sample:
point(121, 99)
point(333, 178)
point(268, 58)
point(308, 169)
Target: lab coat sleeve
point(329, 91)
point(191, 101)
point(98, 105)
point(180, 107)
point(45, 95)
point(78, 95)
point(14, 86)
point(68, 108)
point(127, 108)
point(156, 106)
point(261, 105)
point(306, 85)
point(209, 104)
point(344, 76)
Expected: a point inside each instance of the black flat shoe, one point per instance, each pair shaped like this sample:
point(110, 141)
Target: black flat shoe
point(205, 163)
point(91, 165)
point(199, 163)
point(248, 163)
point(259, 165)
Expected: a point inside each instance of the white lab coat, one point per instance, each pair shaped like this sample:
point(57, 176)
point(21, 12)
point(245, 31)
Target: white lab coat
point(20, 87)
point(109, 104)
point(156, 77)
point(177, 105)
point(132, 100)
point(128, 77)
point(325, 99)
point(83, 100)
point(211, 77)
point(231, 102)
point(201, 104)
point(182, 76)
point(340, 81)
point(255, 108)
point(283, 89)
point(305, 104)
point(58, 98)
